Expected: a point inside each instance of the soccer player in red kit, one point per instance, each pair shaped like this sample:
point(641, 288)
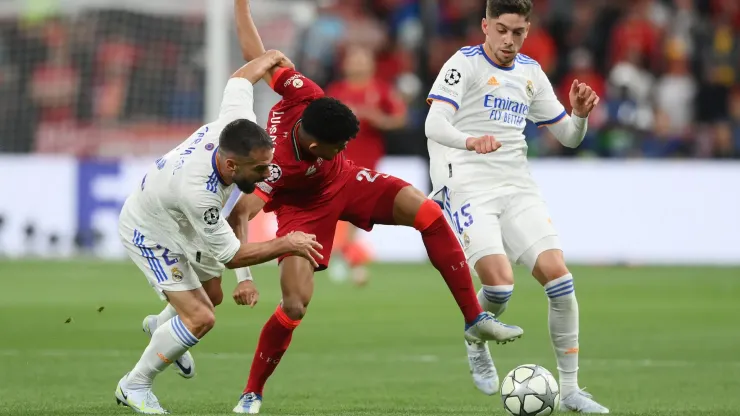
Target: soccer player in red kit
point(312, 186)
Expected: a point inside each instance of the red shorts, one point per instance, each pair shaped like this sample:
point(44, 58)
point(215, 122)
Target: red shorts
point(365, 200)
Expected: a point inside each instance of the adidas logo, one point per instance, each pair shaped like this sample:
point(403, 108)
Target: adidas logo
point(493, 81)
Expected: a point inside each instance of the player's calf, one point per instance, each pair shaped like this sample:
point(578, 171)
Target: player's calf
point(563, 317)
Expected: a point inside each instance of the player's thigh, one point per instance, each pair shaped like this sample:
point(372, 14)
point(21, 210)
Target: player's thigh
point(209, 272)
point(319, 219)
point(527, 230)
point(371, 199)
point(166, 271)
point(475, 220)
point(296, 284)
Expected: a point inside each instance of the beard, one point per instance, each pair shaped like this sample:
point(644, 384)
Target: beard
point(245, 186)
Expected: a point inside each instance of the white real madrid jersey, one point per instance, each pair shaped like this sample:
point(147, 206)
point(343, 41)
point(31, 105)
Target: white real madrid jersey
point(490, 99)
point(179, 201)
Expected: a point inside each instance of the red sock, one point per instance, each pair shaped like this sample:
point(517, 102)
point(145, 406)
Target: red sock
point(448, 257)
point(274, 340)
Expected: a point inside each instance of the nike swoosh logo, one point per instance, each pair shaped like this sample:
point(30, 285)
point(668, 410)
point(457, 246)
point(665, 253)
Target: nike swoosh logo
point(183, 369)
point(123, 393)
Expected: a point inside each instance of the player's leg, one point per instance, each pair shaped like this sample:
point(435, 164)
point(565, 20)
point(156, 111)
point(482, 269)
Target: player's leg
point(296, 281)
point(383, 199)
point(205, 267)
point(181, 287)
point(531, 238)
point(475, 219)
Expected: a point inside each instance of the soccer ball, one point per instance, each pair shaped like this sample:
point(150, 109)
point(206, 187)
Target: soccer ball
point(530, 390)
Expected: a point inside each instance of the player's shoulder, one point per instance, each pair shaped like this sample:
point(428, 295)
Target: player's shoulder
point(528, 65)
point(468, 56)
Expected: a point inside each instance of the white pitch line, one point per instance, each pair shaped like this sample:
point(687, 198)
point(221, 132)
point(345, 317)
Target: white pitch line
point(369, 358)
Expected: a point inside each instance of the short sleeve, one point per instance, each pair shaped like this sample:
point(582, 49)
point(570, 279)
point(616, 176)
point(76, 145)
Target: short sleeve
point(452, 81)
point(294, 86)
point(203, 209)
point(238, 101)
point(546, 109)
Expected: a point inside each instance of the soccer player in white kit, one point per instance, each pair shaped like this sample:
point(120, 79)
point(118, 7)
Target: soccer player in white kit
point(479, 106)
point(172, 228)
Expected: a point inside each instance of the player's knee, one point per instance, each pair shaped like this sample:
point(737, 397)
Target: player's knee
point(200, 321)
point(494, 270)
point(295, 308)
point(410, 208)
point(550, 265)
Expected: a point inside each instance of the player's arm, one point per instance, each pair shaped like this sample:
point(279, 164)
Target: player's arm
point(203, 210)
point(445, 98)
point(547, 111)
point(238, 101)
point(249, 39)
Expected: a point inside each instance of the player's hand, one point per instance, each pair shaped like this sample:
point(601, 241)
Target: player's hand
point(483, 144)
point(582, 98)
point(258, 67)
point(304, 245)
point(246, 293)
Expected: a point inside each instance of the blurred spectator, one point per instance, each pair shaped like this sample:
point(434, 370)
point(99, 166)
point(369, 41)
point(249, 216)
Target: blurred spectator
point(666, 72)
point(376, 103)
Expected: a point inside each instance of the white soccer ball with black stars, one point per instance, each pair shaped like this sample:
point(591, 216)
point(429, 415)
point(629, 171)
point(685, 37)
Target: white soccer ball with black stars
point(530, 390)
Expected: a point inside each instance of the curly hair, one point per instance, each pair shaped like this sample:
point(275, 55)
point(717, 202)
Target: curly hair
point(330, 121)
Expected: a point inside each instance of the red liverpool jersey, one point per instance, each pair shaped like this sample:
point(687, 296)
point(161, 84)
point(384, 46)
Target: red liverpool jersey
point(296, 177)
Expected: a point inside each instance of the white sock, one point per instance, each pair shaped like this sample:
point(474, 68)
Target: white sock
point(167, 313)
point(495, 298)
point(169, 342)
point(563, 322)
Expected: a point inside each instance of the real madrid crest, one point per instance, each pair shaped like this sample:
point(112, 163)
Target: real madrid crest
point(466, 240)
point(530, 89)
point(176, 275)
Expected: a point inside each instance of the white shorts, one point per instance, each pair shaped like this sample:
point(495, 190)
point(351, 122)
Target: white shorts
point(169, 271)
point(516, 224)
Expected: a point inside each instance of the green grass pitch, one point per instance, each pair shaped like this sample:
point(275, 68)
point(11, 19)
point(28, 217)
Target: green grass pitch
point(654, 341)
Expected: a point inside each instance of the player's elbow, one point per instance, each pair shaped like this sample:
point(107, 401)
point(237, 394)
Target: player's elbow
point(431, 127)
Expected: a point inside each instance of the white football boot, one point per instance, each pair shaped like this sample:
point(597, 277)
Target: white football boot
point(581, 402)
point(487, 328)
point(249, 403)
point(139, 400)
point(184, 365)
point(482, 368)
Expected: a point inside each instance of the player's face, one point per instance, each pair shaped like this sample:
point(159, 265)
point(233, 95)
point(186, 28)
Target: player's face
point(505, 36)
point(327, 151)
point(248, 171)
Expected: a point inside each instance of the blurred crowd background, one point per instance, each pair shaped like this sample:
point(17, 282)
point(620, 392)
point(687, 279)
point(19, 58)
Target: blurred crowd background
point(667, 72)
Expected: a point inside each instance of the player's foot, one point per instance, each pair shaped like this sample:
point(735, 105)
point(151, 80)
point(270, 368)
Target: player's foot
point(249, 403)
point(184, 365)
point(482, 368)
point(487, 328)
point(581, 402)
point(139, 400)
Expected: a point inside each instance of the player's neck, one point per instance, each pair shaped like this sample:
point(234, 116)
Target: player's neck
point(487, 50)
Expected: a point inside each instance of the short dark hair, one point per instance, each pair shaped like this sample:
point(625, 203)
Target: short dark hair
point(241, 136)
point(495, 8)
point(330, 121)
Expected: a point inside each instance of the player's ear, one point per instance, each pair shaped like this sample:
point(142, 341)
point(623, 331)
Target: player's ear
point(484, 26)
